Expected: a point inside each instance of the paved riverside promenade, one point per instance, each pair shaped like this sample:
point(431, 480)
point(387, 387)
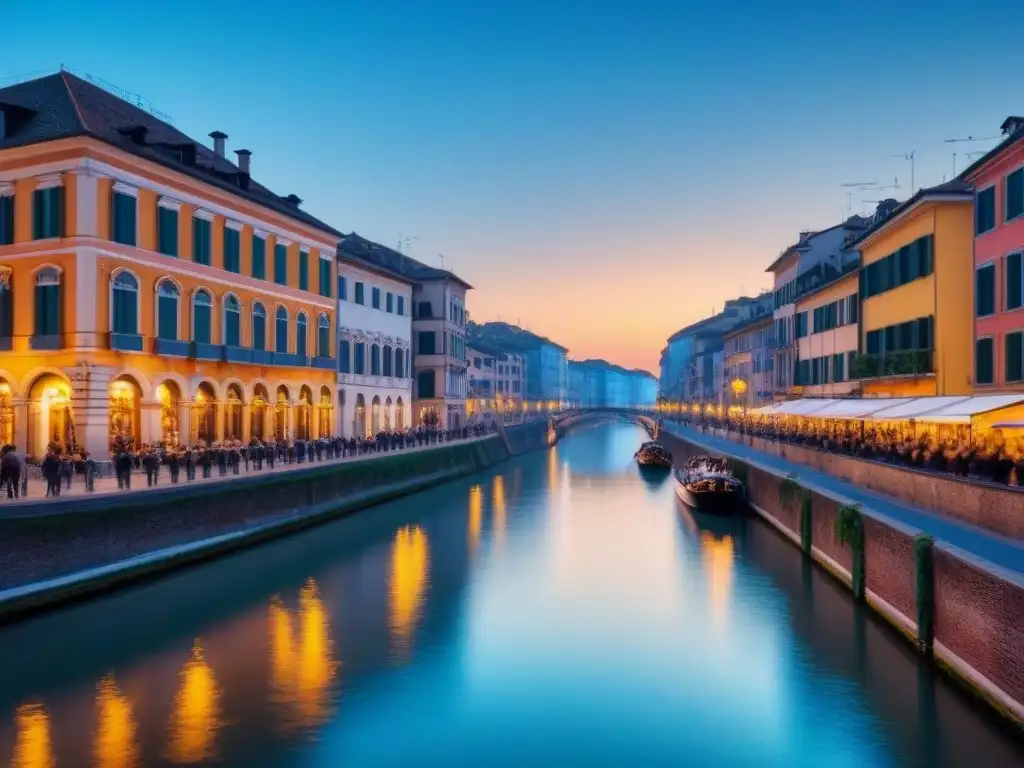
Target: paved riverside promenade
point(107, 485)
point(1001, 551)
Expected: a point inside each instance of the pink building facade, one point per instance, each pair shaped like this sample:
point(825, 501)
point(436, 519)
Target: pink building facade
point(998, 179)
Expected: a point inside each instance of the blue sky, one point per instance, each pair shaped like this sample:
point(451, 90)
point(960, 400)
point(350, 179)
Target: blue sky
point(603, 172)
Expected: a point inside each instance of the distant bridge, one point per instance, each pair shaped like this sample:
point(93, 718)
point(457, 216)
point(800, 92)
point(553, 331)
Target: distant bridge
point(645, 418)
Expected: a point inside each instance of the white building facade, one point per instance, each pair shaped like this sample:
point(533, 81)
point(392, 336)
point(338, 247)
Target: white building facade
point(375, 384)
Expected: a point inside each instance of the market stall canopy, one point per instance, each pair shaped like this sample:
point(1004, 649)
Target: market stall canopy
point(944, 410)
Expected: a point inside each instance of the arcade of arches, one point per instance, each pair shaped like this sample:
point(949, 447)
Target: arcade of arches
point(86, 410)
point(365, 415)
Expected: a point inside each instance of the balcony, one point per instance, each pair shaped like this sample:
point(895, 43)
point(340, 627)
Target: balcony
point(893, 364)
point(170, 347)
point(262, 357)
point(48, 342)
point(325, 363)
point(202, 351)
point(126, 342)
point(237, 354)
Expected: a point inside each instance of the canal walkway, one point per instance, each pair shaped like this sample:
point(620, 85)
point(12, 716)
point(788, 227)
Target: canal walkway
point(999, 550)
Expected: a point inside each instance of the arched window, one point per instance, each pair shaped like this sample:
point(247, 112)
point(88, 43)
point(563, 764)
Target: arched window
point(202, 311)
point(125, 303)
point(399, 363)
point(281, 330)
point(259, 326)
point(232, 321)
point(345, 356)
point(425, 384)
point(388, 359)
point(47, 318)
point(167, 296)
point(323, 336)
point(301, 334)
point(374, 360)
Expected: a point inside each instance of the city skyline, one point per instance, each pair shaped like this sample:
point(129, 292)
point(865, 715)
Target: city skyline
point(506, 139)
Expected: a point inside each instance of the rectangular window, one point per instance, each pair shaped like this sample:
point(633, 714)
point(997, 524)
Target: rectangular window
point(167, 231)
point(360, 358)
point(985, 211)
point(1014, 281)
point(983, 361)
point(280, 264)
point(401, 305)
point(425, 310)
point(375, 295)
point(325, 277)
point(1014, 194)
point(427, 343)
point(303, 270)
point(389, 303)
point(342, 288)
point(873, 342)
point(1014, 356)
point(360, 294)
point(6, 219)
point(259, 258)
point(232, 250)
point(48, 213)
point(201, 240)
point(852, 309)
point(985, 290)
point(123, 211)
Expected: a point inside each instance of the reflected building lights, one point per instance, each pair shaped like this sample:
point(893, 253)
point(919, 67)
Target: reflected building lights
point(476, 514)
point(196, 717)
point(718, 562)
point(498, 505)
point(553, 468)
point(32, 748)
point(115, 744)
point(408, 582)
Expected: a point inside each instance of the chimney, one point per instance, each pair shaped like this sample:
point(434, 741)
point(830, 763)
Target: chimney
point(218, 142)
point(1011, 125)
point(293, 199)
point(243, 167)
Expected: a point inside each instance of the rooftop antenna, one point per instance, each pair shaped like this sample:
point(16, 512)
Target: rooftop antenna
point(403, 242)
point(849, 188)
point(910, 156)
point(441, 257)
point(966, 139)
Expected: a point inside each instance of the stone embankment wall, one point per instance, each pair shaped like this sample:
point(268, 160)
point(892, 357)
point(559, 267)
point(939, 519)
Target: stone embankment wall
point(52, 553)
point(966, 613)
point(987, 505)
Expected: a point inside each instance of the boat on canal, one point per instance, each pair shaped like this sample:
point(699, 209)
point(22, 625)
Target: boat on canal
point(653, 458)
point(706, 484)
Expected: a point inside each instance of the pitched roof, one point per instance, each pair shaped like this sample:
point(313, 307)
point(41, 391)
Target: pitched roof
point(512, 337)
point(953, 190)
point(359, 248)
point(63, 105)
point(1014, 128)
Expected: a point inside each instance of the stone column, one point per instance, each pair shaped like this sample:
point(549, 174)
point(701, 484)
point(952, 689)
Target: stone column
point(246, 435)
point(90, 407)
point(220, 417)
point(20, 423)
point(289, 419)
point(151, 413)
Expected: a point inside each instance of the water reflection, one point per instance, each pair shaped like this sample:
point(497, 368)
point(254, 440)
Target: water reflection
point(476, 515)
point(498, 506)
point(115, 744)
point(301, 674)
point(408, 583)
point(196, 718)
point(33, 748)
point(718, 556)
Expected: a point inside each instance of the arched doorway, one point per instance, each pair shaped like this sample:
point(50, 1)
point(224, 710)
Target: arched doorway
point(399, 414)
point(359, 422)
point(233, 412)
point(281, 412)
point(169, 396)
point(50, 418)
point(325, 413)
point(6, 411)
point(204, 414)
point(124, 412)
point(387, 413)
point(375, 415)
point(258, 412)
point(304, 426)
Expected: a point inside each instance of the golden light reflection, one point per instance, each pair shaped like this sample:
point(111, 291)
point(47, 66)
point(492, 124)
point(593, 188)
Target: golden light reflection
point(553, 469)
point(476, 514)
point(498, 504)
point(301, 674)
point(115, 744)
point(196, 717)
point(409, 561)
point(718, 562)
point(32, 748)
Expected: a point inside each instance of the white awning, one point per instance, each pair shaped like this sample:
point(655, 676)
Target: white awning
point(856, 409)
point(914, 408)
point(945, 410)
point(961, 413)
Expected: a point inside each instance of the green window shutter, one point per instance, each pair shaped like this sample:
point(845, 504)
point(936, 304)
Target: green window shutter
point(201, 245)
point(323, 339)
point(6, 219)
point(232, 328)
point(1014, 281)
point(300, 338)
point(280, 264)
point(38, 215)
point(303, 270)
point(232, 250)
point(124, 223)
point(325, 280)
point(985, 211)
point(167, 231)
point(983, 354)
point(1014, 356)
point(259, 258)
point(201, 323)
point(985, 290)
point(48, 213)
point(281, 335)
point(167, 321)
point(259, 333)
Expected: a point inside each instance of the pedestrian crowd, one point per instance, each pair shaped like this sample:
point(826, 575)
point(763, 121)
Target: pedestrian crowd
point(59, 466)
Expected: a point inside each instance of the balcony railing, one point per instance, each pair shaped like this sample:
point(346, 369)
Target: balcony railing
point(918, 362)
point(126, 342)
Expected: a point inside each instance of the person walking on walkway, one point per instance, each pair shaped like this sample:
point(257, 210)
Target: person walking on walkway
point(51, 472)
point(151, 463)
point(190, 464)
point(10, 471)
point(90, 469)
point(123, 468)
point(67, 470)
point(173, 459)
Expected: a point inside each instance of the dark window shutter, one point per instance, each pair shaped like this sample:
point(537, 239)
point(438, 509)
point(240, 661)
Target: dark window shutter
point(1014, 287)
point(1014, 356)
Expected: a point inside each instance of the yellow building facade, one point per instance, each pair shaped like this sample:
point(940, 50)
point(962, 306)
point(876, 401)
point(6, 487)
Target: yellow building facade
point(917, 298)
point(149, 288)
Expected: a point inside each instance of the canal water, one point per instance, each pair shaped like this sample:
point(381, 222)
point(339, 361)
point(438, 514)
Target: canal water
point(558, 610)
